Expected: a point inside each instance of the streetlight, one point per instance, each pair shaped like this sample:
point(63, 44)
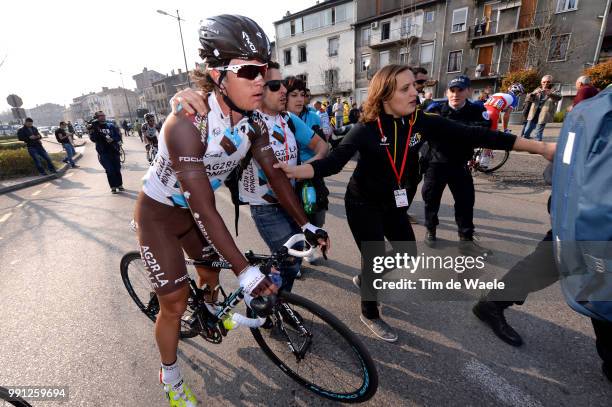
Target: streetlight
point(124, 93)
point(178, 18)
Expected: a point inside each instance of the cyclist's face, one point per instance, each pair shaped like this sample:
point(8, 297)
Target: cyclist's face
point(457, 96)
point(274, 101)
point(404, 99)
point(247, 94)
point(295, 101)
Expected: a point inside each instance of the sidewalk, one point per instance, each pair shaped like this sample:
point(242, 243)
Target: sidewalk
point(51, 146)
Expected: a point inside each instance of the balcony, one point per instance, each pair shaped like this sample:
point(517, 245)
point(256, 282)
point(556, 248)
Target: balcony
point(482, 72)
point(489, 29)
point(397, 35)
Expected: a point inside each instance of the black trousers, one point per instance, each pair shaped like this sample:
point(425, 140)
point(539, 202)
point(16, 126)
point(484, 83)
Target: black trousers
point(459, 180)
point(371, 223)
point(538, 271)
point(112, 165)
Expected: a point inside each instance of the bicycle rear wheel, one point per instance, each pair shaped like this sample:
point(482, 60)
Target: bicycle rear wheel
point(497, 160)
point(335, 363)
point(136, 279)
point(121, 155)
point(6, 400)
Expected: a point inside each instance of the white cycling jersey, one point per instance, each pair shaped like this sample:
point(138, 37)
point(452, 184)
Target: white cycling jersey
point(149, 131)
point(224, 151)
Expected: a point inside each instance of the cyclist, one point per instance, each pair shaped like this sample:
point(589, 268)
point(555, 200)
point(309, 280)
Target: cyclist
point(149, 132)
point(176, 210)
point(495, 105)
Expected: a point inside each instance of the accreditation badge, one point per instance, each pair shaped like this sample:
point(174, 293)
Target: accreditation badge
point(401, 198)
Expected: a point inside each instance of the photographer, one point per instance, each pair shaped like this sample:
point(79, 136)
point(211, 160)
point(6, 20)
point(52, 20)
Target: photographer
point(107, 139)
point(543, 101)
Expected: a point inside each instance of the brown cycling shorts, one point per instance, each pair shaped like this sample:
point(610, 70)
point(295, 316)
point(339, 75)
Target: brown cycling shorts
point(163, 233)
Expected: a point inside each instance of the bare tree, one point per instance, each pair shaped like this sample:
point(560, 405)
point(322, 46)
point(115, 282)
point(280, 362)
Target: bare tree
point(408, 27)
point(330, 78)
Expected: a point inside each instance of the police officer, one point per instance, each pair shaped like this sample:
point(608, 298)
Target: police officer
point(447, 165)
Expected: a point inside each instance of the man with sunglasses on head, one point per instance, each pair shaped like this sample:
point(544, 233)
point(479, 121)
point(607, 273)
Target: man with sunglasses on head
point(289, 138)
point(176, 210)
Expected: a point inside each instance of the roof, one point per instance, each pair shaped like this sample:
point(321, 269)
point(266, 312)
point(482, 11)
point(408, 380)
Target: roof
point(407, 10)
point(323, 4)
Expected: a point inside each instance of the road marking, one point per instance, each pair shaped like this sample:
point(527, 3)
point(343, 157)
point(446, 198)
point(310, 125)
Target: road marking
point(46, 186)
point(497, 386)
point(37, 192)
point(5, 217)
point(70, 174)
point(14, 262)
point(21, 204)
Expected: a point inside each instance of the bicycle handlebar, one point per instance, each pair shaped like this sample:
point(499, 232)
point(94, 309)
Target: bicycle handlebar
point(293, 240)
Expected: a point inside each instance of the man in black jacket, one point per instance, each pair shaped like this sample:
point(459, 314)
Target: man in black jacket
point(107, 139)
point(446, 165)
point(30, 135)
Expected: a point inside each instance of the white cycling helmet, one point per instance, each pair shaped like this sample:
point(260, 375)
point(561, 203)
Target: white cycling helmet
point(516, 88)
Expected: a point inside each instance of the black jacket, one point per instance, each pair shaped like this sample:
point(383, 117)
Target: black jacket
point(373, 180)
point(471, 114)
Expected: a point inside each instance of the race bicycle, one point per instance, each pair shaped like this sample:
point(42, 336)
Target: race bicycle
point(305, 340)
point(496, 160)
point(151, 153)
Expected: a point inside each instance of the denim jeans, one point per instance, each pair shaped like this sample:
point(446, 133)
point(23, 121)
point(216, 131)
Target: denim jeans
point(69, 152)
point(112, 165)
point(38, 152)
point(539, 129)
point(275, 227)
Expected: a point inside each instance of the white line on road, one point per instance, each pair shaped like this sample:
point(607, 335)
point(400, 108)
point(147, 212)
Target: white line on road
point(21, 204)
point(37, 192)
point(5, 217)
point(46, 186)
point(497, 386)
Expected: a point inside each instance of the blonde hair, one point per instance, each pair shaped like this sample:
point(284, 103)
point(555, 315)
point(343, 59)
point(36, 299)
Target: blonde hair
point(382, 87)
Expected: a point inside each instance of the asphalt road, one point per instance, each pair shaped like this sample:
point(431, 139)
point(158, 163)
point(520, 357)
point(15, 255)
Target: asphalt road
point(68, 320)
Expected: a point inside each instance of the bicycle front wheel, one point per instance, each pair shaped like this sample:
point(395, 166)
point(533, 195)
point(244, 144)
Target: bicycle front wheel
point(136, 279)
point(496, 160)
point(7, 400)
point(327, 358)
point(121, 155)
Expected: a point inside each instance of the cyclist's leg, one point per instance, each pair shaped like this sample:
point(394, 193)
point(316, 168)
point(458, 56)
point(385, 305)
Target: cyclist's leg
point(494, 114)
point(196, 247)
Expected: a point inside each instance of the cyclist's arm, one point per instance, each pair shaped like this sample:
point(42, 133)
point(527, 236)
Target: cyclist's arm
point(506, 118)
point(262, 152)
point(186, 149)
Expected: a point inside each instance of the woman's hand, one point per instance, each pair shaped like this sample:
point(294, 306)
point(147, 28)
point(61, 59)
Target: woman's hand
point(190, 101)
point(298, 172)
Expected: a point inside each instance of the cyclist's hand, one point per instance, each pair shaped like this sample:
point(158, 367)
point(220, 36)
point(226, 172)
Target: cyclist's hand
point(317, 237)
point(255, 283)
point(190, 101)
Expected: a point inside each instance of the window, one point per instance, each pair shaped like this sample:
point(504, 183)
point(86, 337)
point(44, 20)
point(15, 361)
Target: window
point(566, 5)
point(383, 58)
point(284, 30)
point(558, 47)
point(403, 56)
point(332, 46)
point(459, 19)
point(408, 25)
point(302, 53)
point(331, 78)
point(454, 61)
point(312, 21)
point(287, 54)
point(343, 12)
point(365, 36)
point(385, 32)
point(430, 16)
point(365, 62)
point(304, 78)
point(427, 53)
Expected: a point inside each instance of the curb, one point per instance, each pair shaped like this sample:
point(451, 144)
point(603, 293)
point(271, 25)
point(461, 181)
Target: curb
point(36, 181)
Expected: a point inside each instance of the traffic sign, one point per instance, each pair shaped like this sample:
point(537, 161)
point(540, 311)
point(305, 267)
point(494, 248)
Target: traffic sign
point(14, 100)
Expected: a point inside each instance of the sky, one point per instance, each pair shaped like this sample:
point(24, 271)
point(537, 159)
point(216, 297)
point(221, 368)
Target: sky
point(54, 51)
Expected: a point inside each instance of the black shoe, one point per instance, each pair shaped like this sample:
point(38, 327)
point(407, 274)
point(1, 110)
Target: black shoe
point(606, 368)
point(430, 237)
point(492, 314)
point(121, 188)
point(470, 247)
point(114, 191)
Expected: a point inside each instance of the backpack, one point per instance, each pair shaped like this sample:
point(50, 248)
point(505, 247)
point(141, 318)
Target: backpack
point(582, 207)
point(232, 180)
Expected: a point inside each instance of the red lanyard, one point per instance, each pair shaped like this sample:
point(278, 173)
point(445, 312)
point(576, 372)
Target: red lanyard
point(403, 167)
point(285, 141)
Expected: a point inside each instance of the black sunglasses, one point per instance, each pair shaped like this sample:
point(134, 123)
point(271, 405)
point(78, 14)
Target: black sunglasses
point(274, 85)
point(246, 71)
point(420, 81)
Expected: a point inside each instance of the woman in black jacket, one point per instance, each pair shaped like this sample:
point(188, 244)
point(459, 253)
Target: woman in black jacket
point(376, 200)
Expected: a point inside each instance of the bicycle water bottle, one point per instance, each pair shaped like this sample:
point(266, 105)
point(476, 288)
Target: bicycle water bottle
point(228, 321)
point(309, 197)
